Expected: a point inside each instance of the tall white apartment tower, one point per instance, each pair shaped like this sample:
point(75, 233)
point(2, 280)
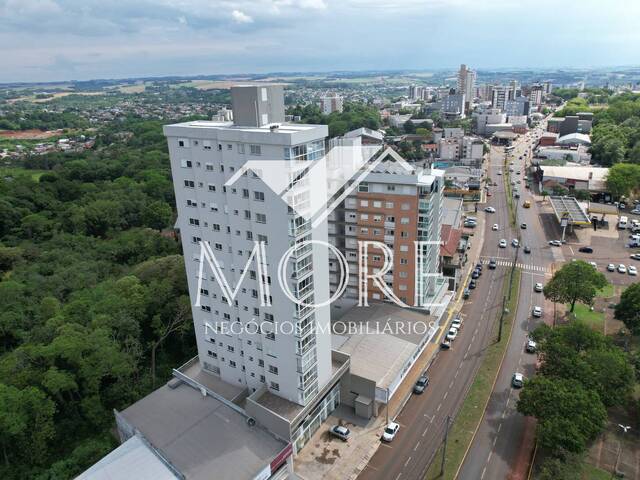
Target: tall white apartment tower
point(293, 364)
point(467, 84)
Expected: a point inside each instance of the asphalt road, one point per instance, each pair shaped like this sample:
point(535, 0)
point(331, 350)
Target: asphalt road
point(503, 443)
point(422, 421)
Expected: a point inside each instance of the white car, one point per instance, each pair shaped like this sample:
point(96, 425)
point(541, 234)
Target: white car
point(555, 243)
point(490, 210)
point(515, 242)
point(622, 268)
point(632, 270)
point(635, 211)
point(531, 346)
point(538, 287)
point(456, 323)
point(452, 334)
point(499, 172)
point(611, 267)
point(537, 311)
point(517, 381)
point(390, 431)
point(503, 243)
point(495, 227)
point(594, 265)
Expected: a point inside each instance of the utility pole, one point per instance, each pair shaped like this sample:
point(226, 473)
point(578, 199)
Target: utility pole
point(625, 429)
point(387, 405)
point(444, 450)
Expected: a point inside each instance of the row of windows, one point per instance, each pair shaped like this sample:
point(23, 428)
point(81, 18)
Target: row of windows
point(364, 187)
point(378, 218)
point(207, 145)
point(259, 217)
point(378, 204)
point(258, 196)
point(377, 231)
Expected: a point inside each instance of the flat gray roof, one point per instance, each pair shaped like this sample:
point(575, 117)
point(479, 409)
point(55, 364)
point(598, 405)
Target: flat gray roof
point(380, 351)
point(200, 436)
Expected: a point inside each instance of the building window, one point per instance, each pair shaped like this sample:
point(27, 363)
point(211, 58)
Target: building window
point(261, 218)
point(245, 193)
point(255, 149)
point(189, 184)
point(232, 364)
point(275, 386)
point(205, 308)
point(230, 348)
point(363, 187)
point(260, 362)
point(405, 206)
point(388, 205)
point(391, 188)
point(377, 204)
point(196, 239)
point(404, 220)
point(194, 221)
point(212, 188)
point(364, 203)
point(258, 196)
point(263, 238)
point(273, 369)
point(212, 354)
point(262, 379)
point(186, 163)
point(209, 167)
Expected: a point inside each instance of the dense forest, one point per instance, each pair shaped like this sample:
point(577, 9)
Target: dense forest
point(92, 285)
point(355, 115)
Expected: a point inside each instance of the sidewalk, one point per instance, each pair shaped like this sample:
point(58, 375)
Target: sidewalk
point(327, 458)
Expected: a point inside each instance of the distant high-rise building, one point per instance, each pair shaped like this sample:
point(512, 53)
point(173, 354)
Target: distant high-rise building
point(535, 95)
point(517, 107)
point(548, 87)
point(453, 105)
point(416, 92)
point(466, 84)
point(500, 95)
point(331, 103)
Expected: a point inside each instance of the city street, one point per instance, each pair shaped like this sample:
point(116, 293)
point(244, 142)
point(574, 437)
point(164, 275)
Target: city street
point(423, 420)
point(504, 441)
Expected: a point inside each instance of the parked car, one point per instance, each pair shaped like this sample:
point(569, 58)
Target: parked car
point(538, 287)
point(594, 265)
point(457, 323)
point(390, 432)
point(531, 346)
point(515, 242)
point(503, 243)
point(632, 270)
point(635, 256)
point(555, 243)
point(490, 210)
point(472, 284)
point(622, 268)
point(445, 344)
point(492, 264)
point(527, 249)
point(466, 294)
point(421, 384)
point(611, 267)
point(585, 249)
point(537, 311)
point(517, 381)
point(341, 432)
point(475, 274)
point(452, 334)
point(495, 227)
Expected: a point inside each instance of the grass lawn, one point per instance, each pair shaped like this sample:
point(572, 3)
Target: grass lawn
point(589, 472)
point(470, 414)
point(607, 291)
point(16, 171)
point(594, 319)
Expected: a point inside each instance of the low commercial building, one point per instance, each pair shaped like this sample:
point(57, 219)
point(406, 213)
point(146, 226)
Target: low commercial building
point(592, 179)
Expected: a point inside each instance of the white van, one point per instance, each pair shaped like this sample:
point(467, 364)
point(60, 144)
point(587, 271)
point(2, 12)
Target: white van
point(622, 223)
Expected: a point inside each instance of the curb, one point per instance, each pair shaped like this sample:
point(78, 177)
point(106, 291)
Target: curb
point(493, 386)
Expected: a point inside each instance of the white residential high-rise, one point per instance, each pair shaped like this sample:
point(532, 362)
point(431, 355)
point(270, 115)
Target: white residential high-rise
point(230, 218)
point(331, 103)
point(467, 84)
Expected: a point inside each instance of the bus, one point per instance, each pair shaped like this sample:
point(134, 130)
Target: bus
point(622, 223)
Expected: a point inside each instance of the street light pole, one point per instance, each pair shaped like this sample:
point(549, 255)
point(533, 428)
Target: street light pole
point(625, 429)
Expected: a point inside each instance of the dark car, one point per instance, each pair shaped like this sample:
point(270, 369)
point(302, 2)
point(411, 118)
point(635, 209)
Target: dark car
point(421, 384)
point(492, 264)
point(466, 293)
point(585, 249)
point(479, 267)
point(475, 274)
point(527, 249)
point(445, 344)
point(472, 284)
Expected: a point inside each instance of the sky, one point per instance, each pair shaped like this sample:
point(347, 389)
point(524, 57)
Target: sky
point(54, 40)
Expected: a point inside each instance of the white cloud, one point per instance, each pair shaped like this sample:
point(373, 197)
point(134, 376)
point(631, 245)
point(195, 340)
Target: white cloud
point(241, 17)
point(182, 20)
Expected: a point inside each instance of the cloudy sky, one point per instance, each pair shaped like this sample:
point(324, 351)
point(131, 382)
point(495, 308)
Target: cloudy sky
point(50, 40)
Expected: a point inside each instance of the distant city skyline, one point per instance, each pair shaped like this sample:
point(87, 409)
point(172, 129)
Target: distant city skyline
point(56, 40)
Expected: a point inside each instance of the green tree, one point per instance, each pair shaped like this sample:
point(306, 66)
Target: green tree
point(575, 281)
point(628, 309)
point(569, 416)
point(623, 179)
point(157, 215)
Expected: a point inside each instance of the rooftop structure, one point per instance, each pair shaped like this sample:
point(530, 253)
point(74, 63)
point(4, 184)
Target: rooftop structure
point(569, 208)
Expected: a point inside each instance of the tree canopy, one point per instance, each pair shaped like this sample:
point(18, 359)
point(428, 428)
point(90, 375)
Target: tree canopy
point(575, 281)
point(628, 309)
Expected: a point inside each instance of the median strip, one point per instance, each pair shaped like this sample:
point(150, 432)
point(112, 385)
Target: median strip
point(467, 420)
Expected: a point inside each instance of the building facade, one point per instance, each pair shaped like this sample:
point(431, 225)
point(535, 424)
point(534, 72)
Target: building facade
point(230, 219)
point(331, 103)
point(466, 84)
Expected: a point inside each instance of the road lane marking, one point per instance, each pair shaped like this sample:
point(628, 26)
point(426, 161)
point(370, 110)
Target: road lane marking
point(407, 462)
point(398, 476)
point(494, 440)
point(425, 431)
point(451, 385)
point(484, 470)
point(438, 409)
point(432, 419)
point(445, 395)
point(416, 447)
point(499, 427)
point(489, 457)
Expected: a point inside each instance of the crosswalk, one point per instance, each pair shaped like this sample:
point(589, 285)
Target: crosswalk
point(504, 262)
